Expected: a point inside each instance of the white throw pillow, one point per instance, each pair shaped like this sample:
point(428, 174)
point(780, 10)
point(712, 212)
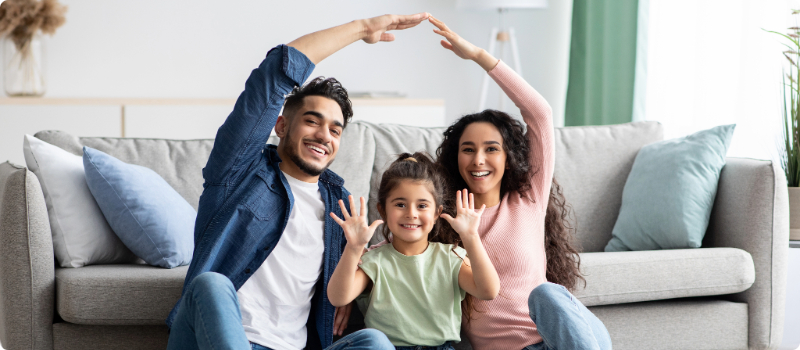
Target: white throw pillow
point(81, 235)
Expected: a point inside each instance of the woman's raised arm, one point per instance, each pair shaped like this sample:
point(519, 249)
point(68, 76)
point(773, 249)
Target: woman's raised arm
point(463, 48)
point(536, 112)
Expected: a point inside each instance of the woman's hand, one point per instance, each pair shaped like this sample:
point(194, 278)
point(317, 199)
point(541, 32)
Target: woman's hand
point(355, 227)
point(467, 218)
point(461, 47)
point(376, 28)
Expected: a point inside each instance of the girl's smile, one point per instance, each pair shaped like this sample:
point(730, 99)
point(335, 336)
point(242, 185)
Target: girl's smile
point(410, 214)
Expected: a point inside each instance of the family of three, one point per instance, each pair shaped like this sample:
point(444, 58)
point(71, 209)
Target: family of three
point(472, 238)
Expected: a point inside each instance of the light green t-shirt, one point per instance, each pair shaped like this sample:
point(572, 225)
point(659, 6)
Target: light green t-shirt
point(415, 300)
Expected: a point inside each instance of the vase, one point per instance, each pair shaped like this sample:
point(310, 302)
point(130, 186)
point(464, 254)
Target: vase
point(794, 213)
point(22, 68)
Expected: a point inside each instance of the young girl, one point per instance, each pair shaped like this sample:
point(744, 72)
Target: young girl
point(416, 286)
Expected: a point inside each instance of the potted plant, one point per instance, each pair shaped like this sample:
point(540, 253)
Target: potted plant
point(21, 21)
point(790, 147)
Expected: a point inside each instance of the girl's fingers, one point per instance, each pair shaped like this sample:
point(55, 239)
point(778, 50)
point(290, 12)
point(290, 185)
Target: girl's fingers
point(375, 225)
point(352, 205)
point(458, 200)
point(480, 212)
point(447, 217)
point(466, 199)
point(336, 218)
point(472, 201)
point(363, 211)
point(345, 214)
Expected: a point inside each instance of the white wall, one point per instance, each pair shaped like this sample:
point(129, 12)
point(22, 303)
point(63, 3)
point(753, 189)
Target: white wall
point(202, 48)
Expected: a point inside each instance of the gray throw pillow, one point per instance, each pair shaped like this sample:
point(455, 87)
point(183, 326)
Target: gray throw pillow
point(667, 199)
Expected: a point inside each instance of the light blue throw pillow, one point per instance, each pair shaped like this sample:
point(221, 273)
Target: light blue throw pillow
point(667, 199)
point(145, 212)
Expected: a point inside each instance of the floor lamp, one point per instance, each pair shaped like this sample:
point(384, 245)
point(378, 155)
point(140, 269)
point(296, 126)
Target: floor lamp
point(500, 36)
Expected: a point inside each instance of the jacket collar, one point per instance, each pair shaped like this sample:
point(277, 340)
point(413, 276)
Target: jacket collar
point(327, 176)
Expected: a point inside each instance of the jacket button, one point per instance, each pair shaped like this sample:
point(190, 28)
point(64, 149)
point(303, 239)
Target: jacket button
point(246, 270)
point(267, 248)
point(273, 186)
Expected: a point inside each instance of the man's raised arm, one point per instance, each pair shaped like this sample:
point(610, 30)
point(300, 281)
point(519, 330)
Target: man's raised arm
point(319, 45)
point(246, 130)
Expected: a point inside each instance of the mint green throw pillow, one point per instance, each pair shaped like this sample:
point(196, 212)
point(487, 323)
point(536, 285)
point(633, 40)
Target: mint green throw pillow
point(667, 199)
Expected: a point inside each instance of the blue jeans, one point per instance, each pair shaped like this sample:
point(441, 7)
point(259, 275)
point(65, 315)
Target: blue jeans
point(563, 321)
point(445, 346)
point(209, 318)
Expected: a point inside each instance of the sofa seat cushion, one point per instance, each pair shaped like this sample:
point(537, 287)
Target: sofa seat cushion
point(117, 294)
point(628, 277)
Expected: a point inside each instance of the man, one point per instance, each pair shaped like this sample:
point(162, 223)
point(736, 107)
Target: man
point(265, 247)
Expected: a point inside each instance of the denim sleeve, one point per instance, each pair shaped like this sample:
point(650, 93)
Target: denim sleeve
point(245, 132)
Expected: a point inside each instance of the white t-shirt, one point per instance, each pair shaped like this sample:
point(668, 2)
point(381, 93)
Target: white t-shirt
point(276, 300)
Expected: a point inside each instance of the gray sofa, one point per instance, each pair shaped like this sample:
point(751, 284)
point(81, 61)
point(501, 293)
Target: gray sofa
point(728, 295)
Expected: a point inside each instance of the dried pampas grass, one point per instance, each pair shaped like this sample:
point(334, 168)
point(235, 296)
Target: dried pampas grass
point(20, 19)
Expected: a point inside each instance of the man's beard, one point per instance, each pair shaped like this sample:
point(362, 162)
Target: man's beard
point(302, 164)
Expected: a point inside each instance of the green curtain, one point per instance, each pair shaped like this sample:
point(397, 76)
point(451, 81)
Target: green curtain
point(602, 62)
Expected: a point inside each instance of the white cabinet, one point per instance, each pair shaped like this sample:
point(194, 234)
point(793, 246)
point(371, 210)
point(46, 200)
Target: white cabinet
point(168, 118)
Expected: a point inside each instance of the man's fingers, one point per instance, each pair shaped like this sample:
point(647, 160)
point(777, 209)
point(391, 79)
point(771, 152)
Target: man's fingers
point(417, 17)
point(337, 323)
point(387, 37)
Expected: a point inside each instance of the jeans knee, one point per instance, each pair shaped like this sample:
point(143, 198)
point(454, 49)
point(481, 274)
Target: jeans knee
point(544, 295)
point(375, 339)
point(208, 281)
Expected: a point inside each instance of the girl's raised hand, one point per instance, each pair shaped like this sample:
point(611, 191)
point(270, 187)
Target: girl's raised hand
point(355, 227)
point(467, 217)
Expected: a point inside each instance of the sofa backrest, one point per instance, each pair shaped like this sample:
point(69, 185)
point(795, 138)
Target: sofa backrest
point(592, 164)
point(180, 162)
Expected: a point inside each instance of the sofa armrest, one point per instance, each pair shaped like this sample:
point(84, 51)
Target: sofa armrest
point(27, 266)
point(751, 212)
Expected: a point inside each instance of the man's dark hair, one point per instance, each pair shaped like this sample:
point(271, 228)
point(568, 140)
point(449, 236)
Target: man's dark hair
point(319, 86)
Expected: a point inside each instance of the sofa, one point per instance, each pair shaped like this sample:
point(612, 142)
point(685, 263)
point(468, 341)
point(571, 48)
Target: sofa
point(729, 294)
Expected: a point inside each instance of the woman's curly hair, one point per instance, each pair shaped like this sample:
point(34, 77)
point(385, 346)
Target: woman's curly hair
point(563, 262)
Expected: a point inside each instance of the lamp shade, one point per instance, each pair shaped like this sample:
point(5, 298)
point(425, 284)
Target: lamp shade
point(500, 4)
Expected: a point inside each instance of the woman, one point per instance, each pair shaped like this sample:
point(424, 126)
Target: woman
point(524, 225)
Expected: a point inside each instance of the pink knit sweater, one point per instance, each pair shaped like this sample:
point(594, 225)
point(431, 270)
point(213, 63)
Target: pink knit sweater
point(513, 231)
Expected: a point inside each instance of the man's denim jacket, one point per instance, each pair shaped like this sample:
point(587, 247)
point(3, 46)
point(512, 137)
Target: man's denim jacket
point(246, 200)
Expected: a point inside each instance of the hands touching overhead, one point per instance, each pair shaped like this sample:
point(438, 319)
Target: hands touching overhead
point(461, 47)
point(375, 29)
